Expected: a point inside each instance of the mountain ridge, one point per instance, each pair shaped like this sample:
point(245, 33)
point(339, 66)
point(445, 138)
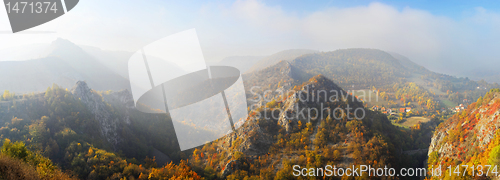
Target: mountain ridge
point(64, 63)
point(272, 138)
point(273, 59)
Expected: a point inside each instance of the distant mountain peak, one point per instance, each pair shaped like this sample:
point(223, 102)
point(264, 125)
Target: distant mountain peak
point(61, 41)
point(320, 82)
point(80, 89)
point(320, 77)
point(61, 46)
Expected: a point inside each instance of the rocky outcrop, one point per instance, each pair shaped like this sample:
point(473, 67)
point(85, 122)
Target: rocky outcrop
point(108, 122)
point(289, 114)
point(249, 139)
point(255, 136)
point(317, 93)
point(468, 136)
point(230, 167)
point(486, 123)
point(122, 100)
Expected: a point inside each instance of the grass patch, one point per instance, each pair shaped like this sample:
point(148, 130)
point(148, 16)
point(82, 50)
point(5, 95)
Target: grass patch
point(447, 103)
point(409, 122)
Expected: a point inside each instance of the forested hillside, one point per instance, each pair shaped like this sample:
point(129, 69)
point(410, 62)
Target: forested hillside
point(469, 138)
point(270, 142)
point(282, 76)
point(110, 141)
point(88, 134)
point(367, 68)
point(61, 125)
point(361, 68)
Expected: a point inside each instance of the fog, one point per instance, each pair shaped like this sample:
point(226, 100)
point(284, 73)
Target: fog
point(461, 46)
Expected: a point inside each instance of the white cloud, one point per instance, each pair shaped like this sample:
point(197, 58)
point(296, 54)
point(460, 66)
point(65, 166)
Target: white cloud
point(437, 42)
point(409, 32)
point(252, 27)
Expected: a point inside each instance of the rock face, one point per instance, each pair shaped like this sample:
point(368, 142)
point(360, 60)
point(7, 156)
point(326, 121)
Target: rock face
point(253, 139)
point(482, 126)
point(250, 139)
point(255, 136)
point(124, 101)
point(469, 137)
point(123, 98)
point(289, 114)
point(109, 123)
point(230, 167)
point(315, 94)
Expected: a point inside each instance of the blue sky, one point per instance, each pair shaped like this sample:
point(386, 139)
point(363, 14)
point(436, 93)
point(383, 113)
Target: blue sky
point(444, 36)
point(451, 8)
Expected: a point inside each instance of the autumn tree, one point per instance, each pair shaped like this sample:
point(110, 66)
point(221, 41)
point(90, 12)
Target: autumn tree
point(7, 96)
point(494, 156)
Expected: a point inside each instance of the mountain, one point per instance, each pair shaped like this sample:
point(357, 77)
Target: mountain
point(408, 64)
point(282, 74)
point(486, 72)
point(242, 63)
point(290, 122)
point(63, 63)
point(357, 69)
point(471, 137)
point(361, 68)
point(350, 68)
point(276, 136)
point(286, 55)
point(116, 61)
point(65, 125)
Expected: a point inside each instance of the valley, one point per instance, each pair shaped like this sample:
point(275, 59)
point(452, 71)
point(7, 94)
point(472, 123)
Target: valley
point(90, 128)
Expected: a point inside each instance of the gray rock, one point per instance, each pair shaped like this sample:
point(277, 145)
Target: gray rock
point(100, 109)
point(230, 167)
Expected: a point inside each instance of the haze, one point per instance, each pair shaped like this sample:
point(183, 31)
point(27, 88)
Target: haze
point(460, 40)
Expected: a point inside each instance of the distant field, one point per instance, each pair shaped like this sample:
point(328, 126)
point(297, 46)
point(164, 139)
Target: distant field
point(414, 120)
point(448, 103)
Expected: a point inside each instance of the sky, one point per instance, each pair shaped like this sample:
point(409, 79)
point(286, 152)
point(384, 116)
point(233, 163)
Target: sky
point(452, 37)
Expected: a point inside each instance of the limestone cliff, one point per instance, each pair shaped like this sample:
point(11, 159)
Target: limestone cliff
point(109, 122)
